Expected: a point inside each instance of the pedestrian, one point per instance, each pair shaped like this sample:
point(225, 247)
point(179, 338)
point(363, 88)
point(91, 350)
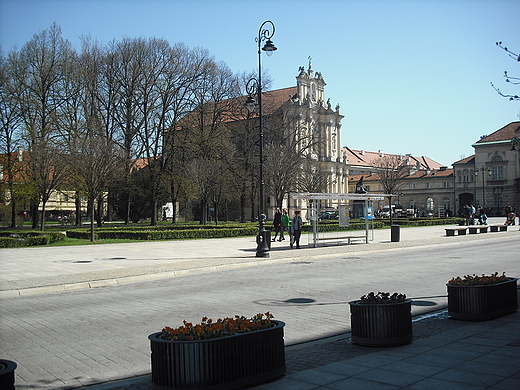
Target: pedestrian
point(277, 222)
point(285, 224)
point(296, 228)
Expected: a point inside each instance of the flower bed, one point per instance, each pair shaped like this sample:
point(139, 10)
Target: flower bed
point(226, 354)
point(381, 320)
point(481, 298)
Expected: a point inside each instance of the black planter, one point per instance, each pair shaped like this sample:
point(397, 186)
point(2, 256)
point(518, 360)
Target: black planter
point(7, 377)
point(381, 325)
point(241, 360)
point(482, 303)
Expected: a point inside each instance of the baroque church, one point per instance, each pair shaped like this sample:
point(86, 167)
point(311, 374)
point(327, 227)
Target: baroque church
point(309, 116)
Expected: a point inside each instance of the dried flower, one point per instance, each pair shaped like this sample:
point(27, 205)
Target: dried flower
point(208, 329)
point(475, 280)
point(382, 297)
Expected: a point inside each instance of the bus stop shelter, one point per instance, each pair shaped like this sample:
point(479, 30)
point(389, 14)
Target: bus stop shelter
point(343, 209)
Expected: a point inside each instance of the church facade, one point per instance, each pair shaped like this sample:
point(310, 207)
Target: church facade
point(316, 126)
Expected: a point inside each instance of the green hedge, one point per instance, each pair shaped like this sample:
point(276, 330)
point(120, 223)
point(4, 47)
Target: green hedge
point(16, 239)
point(154, 234)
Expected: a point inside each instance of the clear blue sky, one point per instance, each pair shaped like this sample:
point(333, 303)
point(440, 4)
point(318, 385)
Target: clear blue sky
point(410, 76)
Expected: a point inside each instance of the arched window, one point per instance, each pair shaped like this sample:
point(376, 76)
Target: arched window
point(429, 204)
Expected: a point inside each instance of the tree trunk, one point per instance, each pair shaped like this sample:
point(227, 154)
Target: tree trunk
point(42, 220)
point(203, 211)
point(215, 206)
point(91, 207)
point(13, 212)
point(153, 221)
point(174, 210)
point(243, 204)
point(78, 209)
point(34, 215)
point(100, 211)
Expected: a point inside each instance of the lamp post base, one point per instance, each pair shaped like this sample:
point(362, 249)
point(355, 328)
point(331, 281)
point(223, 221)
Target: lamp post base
point(263, 241)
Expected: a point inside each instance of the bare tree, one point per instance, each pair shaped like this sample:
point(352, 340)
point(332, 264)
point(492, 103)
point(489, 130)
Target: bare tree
point(128, 58)
point(290, 144)
point(509, 79)
point(391, 169)
point(208, 137)
point(45, 70)
point(93, 163)
point(312, 178)
point(10, 120)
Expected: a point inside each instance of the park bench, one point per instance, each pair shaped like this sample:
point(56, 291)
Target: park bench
point(478, 229)
point(348, 238)
point(498, 228)
point(461, 231)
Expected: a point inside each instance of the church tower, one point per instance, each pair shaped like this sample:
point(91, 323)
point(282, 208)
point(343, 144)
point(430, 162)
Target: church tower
point(315, 121)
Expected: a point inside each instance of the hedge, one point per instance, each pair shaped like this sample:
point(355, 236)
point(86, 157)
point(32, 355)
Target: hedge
point(20, 239)
point(153, 234)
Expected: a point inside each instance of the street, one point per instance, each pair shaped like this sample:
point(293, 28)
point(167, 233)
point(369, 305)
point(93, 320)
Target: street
point(70, 339)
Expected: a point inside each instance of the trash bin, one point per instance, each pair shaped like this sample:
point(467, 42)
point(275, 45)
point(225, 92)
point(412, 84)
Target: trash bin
point(395, 233)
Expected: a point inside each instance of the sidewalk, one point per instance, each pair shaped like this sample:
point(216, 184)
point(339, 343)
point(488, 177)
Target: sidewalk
point(445, 354)
point(26, 271)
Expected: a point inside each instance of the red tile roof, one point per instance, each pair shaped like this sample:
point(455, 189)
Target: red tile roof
point(470, 159)
point(369, 159)
point(504, 134)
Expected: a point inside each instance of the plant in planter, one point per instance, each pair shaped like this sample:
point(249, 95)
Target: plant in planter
point(481, 298)
point(381, 320)
point(226, 354)
point(7, 377)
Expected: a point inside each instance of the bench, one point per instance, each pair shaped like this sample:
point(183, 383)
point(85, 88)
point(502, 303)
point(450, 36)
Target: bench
point(477, 229)
point(348, 238)
point(460, 231)
point(498, 228)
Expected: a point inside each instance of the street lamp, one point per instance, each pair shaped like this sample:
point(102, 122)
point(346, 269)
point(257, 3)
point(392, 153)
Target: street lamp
point(254, 86)
point(482, 169)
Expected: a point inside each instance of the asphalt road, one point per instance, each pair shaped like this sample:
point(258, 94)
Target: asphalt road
point(70, 339)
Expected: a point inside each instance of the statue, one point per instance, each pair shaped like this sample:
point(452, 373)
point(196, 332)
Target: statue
point(360, 189)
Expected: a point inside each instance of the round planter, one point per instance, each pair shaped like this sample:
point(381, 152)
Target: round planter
point(7, 377)
point(241, 360)
point(381, 325)
point(482, 303)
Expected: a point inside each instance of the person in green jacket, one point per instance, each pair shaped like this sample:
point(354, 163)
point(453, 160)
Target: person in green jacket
point(285, 224)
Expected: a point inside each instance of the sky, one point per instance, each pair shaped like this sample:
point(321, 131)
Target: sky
point(409, 76)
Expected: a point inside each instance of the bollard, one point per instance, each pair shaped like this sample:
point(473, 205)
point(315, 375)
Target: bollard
point(395, 233)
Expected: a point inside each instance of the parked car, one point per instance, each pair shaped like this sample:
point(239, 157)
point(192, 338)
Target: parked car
point(328, 215)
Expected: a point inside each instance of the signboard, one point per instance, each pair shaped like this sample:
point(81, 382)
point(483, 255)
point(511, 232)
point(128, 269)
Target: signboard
point(344, 216)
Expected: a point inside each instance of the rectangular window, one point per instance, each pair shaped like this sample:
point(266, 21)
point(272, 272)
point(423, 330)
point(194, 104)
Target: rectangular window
point(428, 185)
point(497, 172)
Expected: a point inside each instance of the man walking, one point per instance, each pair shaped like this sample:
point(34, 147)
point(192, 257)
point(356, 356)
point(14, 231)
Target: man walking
point(296, 228)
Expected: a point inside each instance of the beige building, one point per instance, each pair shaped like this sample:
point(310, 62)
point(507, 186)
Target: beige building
point(427, 186)
point(491, 177)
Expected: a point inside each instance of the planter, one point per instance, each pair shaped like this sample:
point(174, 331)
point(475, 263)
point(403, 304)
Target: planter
point(245, 359)
point(7, 377)
point(484, 302)
point(381, 325)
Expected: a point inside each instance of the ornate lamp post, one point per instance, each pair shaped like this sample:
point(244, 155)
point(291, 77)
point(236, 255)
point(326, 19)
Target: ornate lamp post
point(483, 169)
point(254, 87)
